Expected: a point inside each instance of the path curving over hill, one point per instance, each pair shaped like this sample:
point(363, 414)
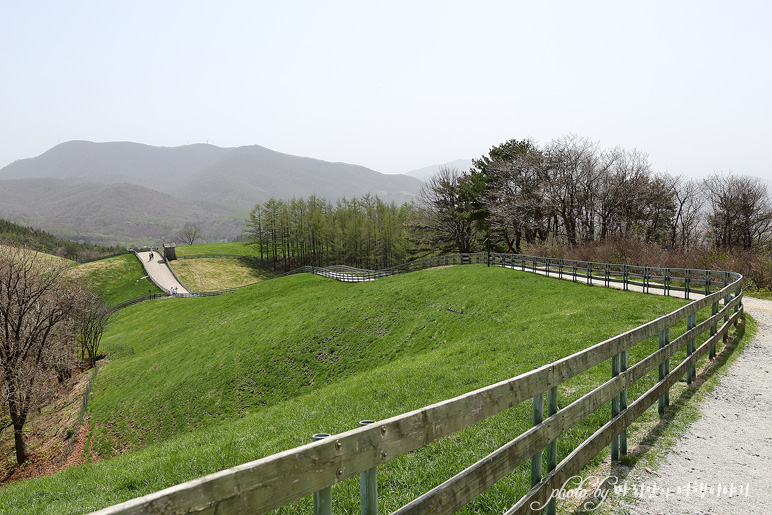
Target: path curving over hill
point(159, 272)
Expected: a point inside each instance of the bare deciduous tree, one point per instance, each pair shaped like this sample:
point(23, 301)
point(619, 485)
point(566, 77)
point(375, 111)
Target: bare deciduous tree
point(447, 216)
point(684, 225)
point(740, 210)
point(515, 199)
point(36, 303)
point(189, 234)
point(93, 317)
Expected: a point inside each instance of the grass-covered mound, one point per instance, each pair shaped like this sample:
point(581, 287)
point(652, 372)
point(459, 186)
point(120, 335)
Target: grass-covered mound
point(219, 381)
point(118, 278)
point(219, 266)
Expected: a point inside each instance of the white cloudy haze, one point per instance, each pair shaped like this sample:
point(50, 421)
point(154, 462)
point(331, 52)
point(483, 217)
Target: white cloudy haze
point(395, 85)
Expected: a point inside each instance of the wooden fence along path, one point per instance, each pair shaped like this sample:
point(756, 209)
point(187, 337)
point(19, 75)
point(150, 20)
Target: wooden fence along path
point(280, 479)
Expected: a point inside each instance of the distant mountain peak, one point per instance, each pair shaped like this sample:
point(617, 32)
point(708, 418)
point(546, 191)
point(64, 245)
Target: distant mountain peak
point(462, 165)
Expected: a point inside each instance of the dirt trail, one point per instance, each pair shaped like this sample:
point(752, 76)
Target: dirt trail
point(723, 463)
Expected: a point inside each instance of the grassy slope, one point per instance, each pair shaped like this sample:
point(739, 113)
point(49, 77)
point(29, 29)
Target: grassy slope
point(217, 272)
point(119, 278)
point(261, 369)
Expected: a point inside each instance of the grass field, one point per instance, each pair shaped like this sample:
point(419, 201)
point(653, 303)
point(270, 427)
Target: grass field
point(216, 273)
point(759, 294)
point(118, 278)
point(218, 381)
point(218, 266)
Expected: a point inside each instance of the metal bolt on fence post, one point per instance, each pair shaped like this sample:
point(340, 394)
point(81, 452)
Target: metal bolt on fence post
point(368, 486)
point(322, 498)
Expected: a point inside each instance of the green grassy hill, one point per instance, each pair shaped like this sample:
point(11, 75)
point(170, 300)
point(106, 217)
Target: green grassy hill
point(218, 381)
point(219, 266)
point(118, 278)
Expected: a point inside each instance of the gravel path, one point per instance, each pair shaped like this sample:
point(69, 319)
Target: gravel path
point(723, 463)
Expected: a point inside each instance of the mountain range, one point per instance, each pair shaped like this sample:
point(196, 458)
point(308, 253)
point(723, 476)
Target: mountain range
point(130, 193)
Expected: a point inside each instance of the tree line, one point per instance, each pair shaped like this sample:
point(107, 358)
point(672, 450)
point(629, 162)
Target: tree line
point(362, 232)
point(572, 191)
point(43, 241)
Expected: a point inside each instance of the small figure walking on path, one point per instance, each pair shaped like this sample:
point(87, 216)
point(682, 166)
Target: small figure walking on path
point(151, 256)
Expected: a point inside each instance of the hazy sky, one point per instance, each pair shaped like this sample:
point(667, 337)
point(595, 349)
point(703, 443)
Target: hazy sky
point(393, 85)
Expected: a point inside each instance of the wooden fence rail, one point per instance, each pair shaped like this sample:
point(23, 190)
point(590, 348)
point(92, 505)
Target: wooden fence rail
point(275, 481)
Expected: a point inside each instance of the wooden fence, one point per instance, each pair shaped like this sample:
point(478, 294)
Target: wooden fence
point(280, 479)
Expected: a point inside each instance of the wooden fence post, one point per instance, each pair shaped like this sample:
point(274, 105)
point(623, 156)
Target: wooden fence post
point(687, 283)
point(322, 498)
point(552, 448)
point(615, 408)
point(623, 403)
point(368, 486)
point(691, 345)
point(538, 418)
point(713, 329)
point(727, 298)
point(664, 370)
